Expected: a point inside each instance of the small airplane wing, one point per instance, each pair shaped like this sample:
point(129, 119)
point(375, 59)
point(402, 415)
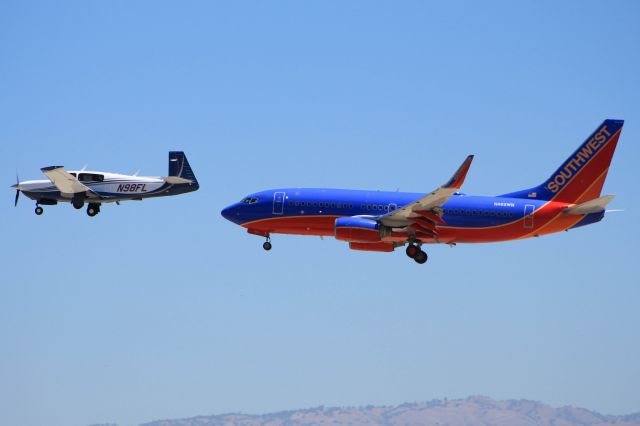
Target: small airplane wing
point(423, 214)
point(65, 181)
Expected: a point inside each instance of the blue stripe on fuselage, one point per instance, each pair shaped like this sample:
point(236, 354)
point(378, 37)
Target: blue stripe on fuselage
point(459, 211)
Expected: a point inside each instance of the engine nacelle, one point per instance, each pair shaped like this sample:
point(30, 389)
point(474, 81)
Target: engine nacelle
point(359, 230)
point(382, 246)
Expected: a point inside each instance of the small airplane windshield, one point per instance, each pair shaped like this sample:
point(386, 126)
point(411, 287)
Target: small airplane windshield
point(249, 200)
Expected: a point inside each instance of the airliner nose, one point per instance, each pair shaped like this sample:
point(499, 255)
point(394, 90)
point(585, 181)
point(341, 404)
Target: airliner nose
point(231, 213)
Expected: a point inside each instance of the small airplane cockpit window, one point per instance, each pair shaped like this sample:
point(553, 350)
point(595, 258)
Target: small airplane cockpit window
point(250, 200)
point(90, 177)
point(73, 174)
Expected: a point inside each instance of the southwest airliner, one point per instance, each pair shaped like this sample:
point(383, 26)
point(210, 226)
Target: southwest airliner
point(383, 221)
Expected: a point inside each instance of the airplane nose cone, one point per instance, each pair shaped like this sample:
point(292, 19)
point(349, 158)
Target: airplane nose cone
point(231, 213)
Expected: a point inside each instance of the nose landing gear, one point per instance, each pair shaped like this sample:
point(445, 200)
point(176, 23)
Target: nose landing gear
point(267, 244)
point(39, 210)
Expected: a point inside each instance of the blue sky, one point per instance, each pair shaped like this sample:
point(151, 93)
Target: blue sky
point(162, 309)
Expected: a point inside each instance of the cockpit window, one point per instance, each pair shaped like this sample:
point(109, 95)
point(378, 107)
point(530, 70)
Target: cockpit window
point(250, 200)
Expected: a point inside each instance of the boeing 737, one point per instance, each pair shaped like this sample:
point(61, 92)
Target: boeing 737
point(97, 188)
point(383, 221)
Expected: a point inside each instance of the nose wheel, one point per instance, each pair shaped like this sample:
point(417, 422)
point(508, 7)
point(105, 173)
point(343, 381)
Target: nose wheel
point(39, 210)
point(267, 244)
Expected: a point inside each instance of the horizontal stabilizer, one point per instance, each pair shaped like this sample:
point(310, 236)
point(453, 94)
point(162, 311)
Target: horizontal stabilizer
point(593, 206)
point(174, 180)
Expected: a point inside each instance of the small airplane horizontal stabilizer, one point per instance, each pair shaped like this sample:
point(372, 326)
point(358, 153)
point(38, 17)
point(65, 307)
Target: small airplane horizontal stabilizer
point(593, 206)
point(176, 180)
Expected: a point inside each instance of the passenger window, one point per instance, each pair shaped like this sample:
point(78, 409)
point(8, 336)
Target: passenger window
point(90, 177)
point(72, 174)
point(290, 203)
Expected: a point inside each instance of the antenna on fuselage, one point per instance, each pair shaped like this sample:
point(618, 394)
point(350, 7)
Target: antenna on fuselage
point(84, 168)
point(136, 173)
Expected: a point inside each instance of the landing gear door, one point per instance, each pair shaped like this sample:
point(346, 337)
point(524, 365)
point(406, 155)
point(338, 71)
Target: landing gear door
point(528, 216)
point(278, 202)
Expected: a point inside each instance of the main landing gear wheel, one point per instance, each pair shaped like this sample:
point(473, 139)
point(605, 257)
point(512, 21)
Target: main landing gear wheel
point(39, 210)
point(421, 257)
point(412, 250)
point(93, 209)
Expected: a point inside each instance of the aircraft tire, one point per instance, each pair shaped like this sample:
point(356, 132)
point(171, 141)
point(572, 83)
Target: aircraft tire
point(412, 250)
point(266, 245)
point(421, 257)
point(39, 210)
point(92, 210)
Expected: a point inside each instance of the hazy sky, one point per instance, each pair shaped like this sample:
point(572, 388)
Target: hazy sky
point(163, 309)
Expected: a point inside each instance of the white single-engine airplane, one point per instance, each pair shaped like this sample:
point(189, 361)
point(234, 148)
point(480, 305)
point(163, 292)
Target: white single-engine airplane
point(97, 188)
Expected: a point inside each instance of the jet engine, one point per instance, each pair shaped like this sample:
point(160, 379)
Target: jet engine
point(359, 230)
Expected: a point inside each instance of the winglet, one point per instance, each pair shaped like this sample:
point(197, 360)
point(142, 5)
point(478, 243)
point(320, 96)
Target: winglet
point(457, 179)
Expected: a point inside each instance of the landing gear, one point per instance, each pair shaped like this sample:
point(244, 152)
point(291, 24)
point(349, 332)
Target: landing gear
point(412, 250)
point(39, 210)
point(267, 244)
point(93, 209)
point(415, 252)
point(421, 257)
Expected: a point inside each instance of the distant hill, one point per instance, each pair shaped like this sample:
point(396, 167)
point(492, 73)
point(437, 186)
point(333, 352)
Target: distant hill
point(475, 410)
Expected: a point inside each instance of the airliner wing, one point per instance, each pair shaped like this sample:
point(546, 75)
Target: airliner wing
point(64, 181)
point(424, 213)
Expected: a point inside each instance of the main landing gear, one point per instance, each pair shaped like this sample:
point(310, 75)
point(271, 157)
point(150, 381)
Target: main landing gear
point(93, 209)
point(267, 244)
point(415, 252)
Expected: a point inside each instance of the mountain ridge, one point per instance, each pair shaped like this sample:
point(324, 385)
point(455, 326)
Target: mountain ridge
point(474, 410)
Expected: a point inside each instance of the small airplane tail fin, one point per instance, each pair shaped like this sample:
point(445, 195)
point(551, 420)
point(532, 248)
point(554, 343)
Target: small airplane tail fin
point(179, 167)
point(581, 177)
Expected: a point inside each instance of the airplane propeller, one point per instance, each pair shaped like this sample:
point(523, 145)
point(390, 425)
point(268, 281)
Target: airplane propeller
point(17, 191)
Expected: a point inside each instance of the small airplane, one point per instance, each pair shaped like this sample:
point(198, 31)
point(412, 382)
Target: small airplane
point(97, 188)
point(383, 221)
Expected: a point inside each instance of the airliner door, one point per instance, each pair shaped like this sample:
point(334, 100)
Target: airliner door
point(528, 215)
point(278, 202)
